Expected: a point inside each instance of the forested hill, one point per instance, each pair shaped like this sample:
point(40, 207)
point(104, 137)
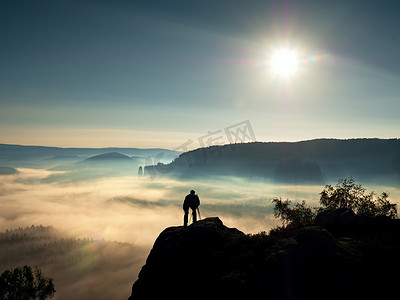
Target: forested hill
point(314, 161)
point(76, 265)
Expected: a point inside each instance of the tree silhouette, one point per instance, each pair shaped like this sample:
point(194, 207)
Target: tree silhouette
point(348, 194)
point(300, 215)
point(25, 284)
point(345, 194)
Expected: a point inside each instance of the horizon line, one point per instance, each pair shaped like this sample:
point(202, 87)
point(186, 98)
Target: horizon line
point(226, 144)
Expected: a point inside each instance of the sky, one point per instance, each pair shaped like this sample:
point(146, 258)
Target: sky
point(96, 73)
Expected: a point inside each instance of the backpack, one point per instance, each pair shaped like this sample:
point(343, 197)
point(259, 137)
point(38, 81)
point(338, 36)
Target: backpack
point(192, 201)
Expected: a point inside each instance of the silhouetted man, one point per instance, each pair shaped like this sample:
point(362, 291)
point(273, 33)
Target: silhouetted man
point(192, 201)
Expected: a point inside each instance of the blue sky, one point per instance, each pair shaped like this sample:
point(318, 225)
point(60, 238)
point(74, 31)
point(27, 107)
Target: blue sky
point(157, 73)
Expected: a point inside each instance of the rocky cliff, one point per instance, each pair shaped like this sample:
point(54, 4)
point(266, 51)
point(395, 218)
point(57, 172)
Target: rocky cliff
point(343, 257)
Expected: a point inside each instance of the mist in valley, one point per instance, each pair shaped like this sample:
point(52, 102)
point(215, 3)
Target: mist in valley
point(95, 222)
point(102, 229)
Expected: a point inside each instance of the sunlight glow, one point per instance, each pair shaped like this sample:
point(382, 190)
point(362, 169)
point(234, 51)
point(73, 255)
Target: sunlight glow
point(284, 62)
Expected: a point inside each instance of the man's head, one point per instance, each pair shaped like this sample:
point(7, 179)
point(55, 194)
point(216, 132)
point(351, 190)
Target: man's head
point(192, 192)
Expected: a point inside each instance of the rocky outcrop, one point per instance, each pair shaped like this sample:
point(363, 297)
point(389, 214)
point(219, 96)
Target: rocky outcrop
point(208, 260)
point(140, 171)
point(343, 222)
point(184, 261)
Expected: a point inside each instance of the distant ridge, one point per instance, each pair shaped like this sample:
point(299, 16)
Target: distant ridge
point(8, 171)
point(48, 157)
point(63, 157)
point(305, 162)
point(69, 151)
point(111, 156)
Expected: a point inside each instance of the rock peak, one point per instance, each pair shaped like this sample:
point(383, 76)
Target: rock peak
point(335, 259)
point(182, 256)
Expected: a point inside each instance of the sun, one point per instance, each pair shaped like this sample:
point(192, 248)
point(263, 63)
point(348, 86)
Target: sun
point(284, 62)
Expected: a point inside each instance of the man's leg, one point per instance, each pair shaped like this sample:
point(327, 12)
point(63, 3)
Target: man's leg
point(185, 218)
point(194, 216)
